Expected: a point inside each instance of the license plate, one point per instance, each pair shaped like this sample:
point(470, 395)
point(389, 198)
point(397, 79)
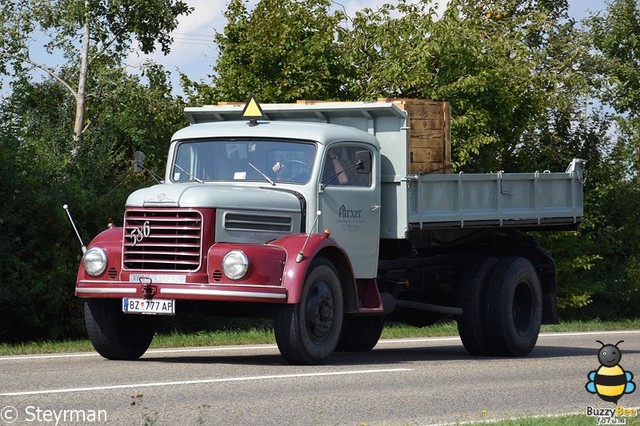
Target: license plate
point(149, 306)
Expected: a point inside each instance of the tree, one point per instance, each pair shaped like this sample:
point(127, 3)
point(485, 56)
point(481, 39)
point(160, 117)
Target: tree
point(281, 51)
point(82, 31)
point(613, 228)
point(616, 36)
point(39, 254)
point(503, 66)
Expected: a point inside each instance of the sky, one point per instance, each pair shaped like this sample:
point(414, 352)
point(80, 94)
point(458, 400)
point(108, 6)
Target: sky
point(193, 52)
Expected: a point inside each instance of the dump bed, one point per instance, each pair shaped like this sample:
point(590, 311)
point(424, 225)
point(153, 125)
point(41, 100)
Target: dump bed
point(415, 151)
point(497, 199)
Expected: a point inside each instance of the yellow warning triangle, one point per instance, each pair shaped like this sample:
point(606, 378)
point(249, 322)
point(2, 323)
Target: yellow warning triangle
point(252, 109)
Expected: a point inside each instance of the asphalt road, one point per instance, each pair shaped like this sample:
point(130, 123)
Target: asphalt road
point(417, 381)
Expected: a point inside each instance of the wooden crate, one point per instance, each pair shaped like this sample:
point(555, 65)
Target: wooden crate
point(429, 134)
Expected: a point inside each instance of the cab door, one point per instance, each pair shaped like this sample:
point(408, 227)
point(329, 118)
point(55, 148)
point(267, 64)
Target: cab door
point(349, 202)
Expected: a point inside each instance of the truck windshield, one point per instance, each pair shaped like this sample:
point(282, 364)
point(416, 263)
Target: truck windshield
point(271, 160)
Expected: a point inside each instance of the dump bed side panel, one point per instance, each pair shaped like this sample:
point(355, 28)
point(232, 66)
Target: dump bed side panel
point(495, 199)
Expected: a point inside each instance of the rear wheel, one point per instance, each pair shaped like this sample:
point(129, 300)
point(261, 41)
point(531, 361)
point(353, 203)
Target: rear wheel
point(514, 307)
point(308, 332)
point(472, 299)
point(115, 335)
point(360, 333)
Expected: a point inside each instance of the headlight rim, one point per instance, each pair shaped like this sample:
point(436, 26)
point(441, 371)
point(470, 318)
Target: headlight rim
point(103, 257)
point(226, 265)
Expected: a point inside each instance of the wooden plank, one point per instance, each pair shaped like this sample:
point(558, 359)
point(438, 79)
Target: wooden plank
point(432, 154)
point(419, 126)
point(429, 134)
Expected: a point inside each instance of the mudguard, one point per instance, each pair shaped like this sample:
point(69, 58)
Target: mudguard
point(301, 250)
point(111, 240)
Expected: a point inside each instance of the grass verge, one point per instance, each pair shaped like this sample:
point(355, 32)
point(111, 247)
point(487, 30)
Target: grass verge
point(265, 335)
point(566, 420)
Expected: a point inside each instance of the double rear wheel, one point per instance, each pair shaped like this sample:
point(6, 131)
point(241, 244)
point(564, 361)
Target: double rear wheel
point(502, 307)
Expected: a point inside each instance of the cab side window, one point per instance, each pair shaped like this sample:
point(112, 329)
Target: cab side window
point(341, 168)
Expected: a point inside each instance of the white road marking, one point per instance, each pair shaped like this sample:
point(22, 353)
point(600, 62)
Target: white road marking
point(204, 381)
point(589, 333)
point(551, 334)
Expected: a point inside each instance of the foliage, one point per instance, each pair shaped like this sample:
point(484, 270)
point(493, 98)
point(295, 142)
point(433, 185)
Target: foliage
point(89, 95)
point(83, 32)
point(496, 63)
point(39, 252)
point(616, 35)
point(614, 201)
point(280, 52)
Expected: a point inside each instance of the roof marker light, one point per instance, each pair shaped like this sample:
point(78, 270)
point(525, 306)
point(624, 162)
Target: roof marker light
point(252, 111)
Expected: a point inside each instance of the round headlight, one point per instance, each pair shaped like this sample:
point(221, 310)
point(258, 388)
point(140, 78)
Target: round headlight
point(95, 261)
point(235, 264)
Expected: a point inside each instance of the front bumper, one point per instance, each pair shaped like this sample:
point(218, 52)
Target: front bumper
point(203, 292)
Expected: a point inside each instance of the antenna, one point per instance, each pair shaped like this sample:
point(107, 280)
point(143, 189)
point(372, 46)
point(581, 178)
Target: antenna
point(83, 247)
point(300, 255)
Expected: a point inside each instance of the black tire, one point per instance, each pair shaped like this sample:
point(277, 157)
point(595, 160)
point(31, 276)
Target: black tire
point(514, 307)
point(472, 298)
point(115, 335)
point(360, 333)
point(308, 332)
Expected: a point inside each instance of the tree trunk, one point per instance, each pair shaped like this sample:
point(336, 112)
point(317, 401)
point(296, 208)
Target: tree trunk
point(82, 81)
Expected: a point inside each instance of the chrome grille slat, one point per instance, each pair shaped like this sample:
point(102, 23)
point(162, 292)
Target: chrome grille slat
point(173, 241)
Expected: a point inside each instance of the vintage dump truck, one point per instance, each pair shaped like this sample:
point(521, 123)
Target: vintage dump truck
point(329, 218)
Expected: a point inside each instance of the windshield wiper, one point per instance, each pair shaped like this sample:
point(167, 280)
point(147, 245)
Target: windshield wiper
point(263, 175)
point(190, 175)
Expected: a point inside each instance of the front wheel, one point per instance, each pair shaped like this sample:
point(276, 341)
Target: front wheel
point(308, 332)
point(116, 335)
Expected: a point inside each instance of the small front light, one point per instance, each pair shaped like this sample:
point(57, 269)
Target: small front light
point(235, 264)
point(95, 261)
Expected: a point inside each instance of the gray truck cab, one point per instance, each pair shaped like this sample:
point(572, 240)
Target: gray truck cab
point(331, 174)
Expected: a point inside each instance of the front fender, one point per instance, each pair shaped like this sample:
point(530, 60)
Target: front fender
point(111, 241)
point(306, 248)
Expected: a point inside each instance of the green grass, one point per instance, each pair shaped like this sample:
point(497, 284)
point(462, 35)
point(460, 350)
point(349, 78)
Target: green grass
point(265, 335)
point(567, 420)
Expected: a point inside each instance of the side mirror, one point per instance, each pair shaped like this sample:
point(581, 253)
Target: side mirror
point(137, 162)
point(363, 162)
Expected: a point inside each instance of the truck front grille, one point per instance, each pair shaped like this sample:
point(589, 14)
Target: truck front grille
point(169, 240)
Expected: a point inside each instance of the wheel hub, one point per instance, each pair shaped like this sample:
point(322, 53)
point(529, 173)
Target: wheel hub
point(320, 311)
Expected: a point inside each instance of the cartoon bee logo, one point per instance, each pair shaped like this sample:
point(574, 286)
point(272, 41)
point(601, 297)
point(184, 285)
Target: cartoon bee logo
point(610, 381)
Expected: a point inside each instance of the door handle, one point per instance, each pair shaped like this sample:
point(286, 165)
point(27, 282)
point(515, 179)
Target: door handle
point(376, 207)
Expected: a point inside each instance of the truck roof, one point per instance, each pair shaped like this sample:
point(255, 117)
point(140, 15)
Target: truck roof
point(303, 110)
point(320, 132)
